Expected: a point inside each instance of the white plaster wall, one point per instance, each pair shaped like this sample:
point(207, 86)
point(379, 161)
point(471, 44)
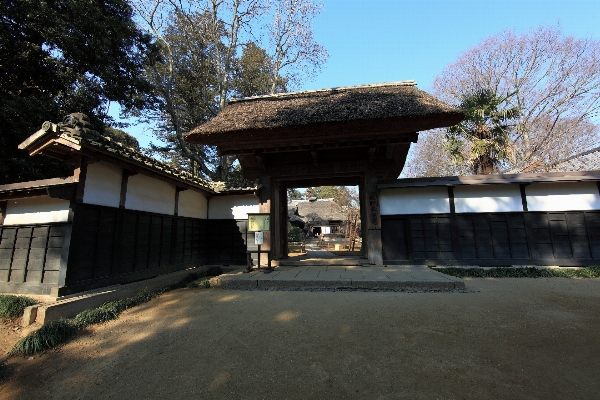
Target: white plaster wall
point(487, 198)
point(192, 204)
point(102, 184)
point(148, 194)
point(562, 196)
point(425, 200)
point(36, 210)
point(232, 207)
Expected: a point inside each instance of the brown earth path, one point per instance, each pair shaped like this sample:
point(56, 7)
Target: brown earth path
point(510, 338)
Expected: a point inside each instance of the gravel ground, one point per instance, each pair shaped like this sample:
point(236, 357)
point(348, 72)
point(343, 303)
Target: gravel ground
point(503, 338)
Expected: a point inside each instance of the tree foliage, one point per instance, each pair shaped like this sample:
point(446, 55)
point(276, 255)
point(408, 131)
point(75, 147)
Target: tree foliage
point(485, 132)
point(556, 81)
point(58, 57)
point(295, 53)
point(343, 195)
point(122, 137)
point(210, 53)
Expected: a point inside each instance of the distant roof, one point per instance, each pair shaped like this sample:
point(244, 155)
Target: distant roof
point(586, 161)
point(386, 107)
point(323, 209)
point(571, 176)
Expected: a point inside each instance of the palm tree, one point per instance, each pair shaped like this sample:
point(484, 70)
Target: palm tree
point(486, 130)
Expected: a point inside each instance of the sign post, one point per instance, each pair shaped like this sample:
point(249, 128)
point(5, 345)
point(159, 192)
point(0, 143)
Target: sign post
point(259, 223)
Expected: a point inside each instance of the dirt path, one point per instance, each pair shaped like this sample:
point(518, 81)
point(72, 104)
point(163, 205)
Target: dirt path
point(513, 338)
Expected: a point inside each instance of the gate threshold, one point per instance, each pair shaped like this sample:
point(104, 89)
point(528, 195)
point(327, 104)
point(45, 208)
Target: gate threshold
point(409, 278)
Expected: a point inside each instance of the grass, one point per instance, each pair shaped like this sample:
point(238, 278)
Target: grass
point(53, 333)
point(11, 307)
point(528, 272)
point(50, 335)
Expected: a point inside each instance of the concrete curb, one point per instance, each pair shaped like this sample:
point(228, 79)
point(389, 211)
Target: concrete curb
point(233, 282)
point(70, 306)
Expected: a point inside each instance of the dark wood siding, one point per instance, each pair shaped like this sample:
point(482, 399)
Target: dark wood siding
point(226, 241)
point(537, 238)
point(31, 253)
point(112, 246)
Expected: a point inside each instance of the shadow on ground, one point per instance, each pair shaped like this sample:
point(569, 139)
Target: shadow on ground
point(510, 338)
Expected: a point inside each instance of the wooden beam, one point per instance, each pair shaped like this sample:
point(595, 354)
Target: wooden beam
point(35, 192)
point(290, 144)
point(178, 189)
point(523, 197)
point(260, 161)
point(79, 176)
point(124, 180)
point(3, 206)
point(451, 199)
point(372, 150)
point(65, 192)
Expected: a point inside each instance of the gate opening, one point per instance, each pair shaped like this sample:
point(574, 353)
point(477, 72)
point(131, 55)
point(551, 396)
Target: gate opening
point(323, 221)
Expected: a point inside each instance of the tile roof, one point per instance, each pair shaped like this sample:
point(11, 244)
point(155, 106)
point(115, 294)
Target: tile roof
point(586, 161)
point(77, 130)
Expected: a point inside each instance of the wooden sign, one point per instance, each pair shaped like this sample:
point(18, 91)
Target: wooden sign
point(259, 222)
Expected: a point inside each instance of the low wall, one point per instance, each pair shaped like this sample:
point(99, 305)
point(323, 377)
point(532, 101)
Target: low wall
point(536, 238)
point(112, 245)
point(32, 257)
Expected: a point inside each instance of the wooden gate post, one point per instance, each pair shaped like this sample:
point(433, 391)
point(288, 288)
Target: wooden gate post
point(371, 219)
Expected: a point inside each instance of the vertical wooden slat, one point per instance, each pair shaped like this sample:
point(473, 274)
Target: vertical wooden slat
point(523, 197)
point(3, 206)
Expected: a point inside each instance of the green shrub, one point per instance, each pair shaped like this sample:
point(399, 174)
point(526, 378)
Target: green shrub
point(528, 272)
point(50, 335)
point(94, 316)
point(11, 307)
point(201, 284)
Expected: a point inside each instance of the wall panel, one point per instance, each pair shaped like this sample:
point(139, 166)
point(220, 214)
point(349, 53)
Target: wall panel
point(426, 200)
point(192, 204)
point(563, 196)
point(487, 198)
point(151, 195)
point(232, 207)
point(537, 238)
point(36, 210)
point(102, 184)
point(113, 246)
point(31, 255)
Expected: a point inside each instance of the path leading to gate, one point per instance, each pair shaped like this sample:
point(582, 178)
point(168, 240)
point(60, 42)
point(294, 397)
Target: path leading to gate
point(393, 277)
point(321, 269)
point(509, 338)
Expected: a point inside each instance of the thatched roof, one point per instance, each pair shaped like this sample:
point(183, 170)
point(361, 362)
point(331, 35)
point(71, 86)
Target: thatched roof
point(388, 107)
point(320, 210)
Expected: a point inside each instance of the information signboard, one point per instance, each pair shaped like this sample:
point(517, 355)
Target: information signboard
point(259, 222)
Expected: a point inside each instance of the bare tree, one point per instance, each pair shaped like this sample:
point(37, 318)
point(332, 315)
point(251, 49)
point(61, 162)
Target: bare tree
point(295, 53)
point(557, 83)
point(427, 157)
point(205, 33)
point(210, 54)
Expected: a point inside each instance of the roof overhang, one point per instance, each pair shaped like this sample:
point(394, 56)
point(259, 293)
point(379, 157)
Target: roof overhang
point(339, 133)
point(496, 179)
point(58, 188)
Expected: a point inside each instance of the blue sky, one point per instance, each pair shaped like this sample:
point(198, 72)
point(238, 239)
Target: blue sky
point(371, 41)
